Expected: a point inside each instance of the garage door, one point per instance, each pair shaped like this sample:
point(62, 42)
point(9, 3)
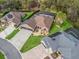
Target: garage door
point(20, 38)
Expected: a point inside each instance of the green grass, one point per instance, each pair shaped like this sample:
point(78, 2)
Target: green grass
point(12, 34)
point(27, 16)
point(53, 29)
point(32, 42)
point(63, 27)
point(1, 56)
point(66, 25)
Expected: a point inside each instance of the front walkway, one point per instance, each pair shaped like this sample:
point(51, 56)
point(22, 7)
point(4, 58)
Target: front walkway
point(35, 53)
point(20, 38)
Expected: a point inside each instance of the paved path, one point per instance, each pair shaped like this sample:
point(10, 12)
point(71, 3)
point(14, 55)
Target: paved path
point(35, 53)
point(20, 38)
point(9, 50)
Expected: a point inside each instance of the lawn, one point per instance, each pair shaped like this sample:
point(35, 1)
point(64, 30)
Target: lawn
point(27, 16)
point(53, 29)
point(63, 27)
point(12, 34)
point(66, 25)
point(1, 56)
point(32, 42)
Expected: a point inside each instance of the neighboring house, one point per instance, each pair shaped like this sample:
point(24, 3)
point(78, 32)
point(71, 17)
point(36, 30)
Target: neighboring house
point(13, 18)
point(8, 23)
point(34, 5)
point(73, 31)
point(40, 23)
point(65, 43)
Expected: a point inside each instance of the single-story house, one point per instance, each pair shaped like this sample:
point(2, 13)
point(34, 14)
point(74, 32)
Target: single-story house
point(66, 44)
point(40, 23)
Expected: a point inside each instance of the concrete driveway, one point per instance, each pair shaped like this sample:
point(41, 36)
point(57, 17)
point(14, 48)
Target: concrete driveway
point(9, 50)
point(38, 52)
point(20, 38)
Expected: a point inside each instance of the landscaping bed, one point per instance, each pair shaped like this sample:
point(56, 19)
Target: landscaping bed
point(12, 34)
point(32, 42)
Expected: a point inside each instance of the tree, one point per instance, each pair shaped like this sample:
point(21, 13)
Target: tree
point(60, 17)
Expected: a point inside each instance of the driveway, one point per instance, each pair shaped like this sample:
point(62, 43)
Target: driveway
point(7, 31)
point(38, 52)
point(20, 38)
point(9, 50)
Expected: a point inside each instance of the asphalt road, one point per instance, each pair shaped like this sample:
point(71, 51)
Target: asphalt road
point(9, 50)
